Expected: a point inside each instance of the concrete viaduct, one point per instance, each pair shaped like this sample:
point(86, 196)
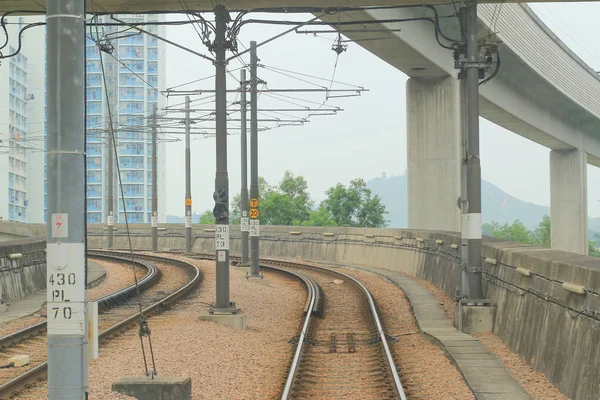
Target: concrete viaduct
point(547, 301)
point(542, 91)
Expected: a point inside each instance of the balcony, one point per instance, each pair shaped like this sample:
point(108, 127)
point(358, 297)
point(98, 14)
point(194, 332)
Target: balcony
point(92, 208)
point(94, 163)
point(94, 192)
point(137, 39)
point(131, 94)
point(131, 52)
point(94, 217)
point(94, 150)
point(130, 80)
point(94, 107)
point(132, 217)
point(131, 151)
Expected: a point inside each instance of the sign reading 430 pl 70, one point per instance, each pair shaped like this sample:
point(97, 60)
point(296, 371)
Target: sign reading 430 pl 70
point(66, 288)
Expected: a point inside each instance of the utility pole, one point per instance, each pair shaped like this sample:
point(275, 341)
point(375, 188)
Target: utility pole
point(221, 194)
point(66, 235)
point(188, 180)
point(154, 217)
point(254, 195)
point(245, 224)
point(471, 280)
point(110, 219)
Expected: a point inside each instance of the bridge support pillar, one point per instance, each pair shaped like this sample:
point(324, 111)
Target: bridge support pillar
point(568, 201)
point(433, 143)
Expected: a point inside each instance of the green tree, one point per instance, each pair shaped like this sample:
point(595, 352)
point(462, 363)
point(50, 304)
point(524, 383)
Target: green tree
point(296, 188)
point(593, 250)
point(542, 232)
point(516, 232)
point(355, 205)
point(235, 210)
point(320, 217)
point(207, 218)
point(277, 209)
point(487, 229)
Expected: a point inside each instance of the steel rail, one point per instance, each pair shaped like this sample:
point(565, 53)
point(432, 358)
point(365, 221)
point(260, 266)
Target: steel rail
point(375, 315)
point(271, 263)
point(104, 303)
point(8, 388)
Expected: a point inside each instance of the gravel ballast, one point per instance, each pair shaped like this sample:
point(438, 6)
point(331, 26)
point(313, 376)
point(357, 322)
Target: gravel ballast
point(425, 370)
point(535, 383)
point(118, 276)
point(224, 363)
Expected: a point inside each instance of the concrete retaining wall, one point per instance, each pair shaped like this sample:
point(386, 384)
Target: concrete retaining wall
point(554, 330)
point(15, 230)
point(23, 275)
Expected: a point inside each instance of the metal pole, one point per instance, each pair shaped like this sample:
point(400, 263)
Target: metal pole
point(245, 224)
point(66, 236)
point(221, 195)
point(154, 218)
point(254, 222)
point(188, 181)
point(110, 219)
point(471, 209)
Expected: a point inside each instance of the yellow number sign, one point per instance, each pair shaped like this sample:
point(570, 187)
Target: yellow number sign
point(253, 213)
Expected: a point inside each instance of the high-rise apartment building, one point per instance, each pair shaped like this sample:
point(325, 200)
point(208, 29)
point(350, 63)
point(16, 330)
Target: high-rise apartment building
point(21, 125)
point(135, 72)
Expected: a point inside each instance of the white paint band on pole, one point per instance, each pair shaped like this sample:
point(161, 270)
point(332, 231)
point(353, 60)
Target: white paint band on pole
point(471, 226)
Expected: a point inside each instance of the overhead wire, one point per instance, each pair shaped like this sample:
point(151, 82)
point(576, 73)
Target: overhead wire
point(143, 330)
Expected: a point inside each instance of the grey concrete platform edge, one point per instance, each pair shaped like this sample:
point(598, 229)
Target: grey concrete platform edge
point(482, 371)
point(32, 304)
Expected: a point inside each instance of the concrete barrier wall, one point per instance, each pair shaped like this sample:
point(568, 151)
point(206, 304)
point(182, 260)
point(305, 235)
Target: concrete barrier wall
point(555, 330)
point(22, 267)
point(15, 230)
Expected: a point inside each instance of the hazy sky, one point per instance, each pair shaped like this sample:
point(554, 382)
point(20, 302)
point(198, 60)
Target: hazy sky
point(369, 136)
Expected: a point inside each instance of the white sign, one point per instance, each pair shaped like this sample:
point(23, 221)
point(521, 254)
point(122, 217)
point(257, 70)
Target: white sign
point(244, 213)
point(66, 288)
point(254, 227)
point(154, 220)
point(221, 255)
point(245, 224)
point(222, 237)
point(111, 220)
point(188, 221)
point(60, 225)
point(471, 226)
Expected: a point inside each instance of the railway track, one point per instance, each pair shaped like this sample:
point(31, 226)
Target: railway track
point(342, 351)
point(119, 313)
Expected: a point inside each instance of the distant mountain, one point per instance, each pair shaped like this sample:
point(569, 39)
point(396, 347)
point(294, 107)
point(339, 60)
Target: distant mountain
point(497, 205)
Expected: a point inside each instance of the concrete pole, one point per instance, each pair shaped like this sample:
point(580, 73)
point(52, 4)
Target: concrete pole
point(471, 209)
point(245, 225)
point(188, 180)
point(66, 237)
point(110, 219)
point(221, 195)
point(255, 226)
point(154, 218)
